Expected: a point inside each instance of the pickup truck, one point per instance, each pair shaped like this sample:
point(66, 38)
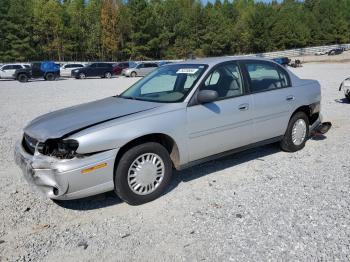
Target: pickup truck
point(47, 70)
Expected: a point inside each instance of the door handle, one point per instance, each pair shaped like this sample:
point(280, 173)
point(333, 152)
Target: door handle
point(243, 107)
point(290, 98)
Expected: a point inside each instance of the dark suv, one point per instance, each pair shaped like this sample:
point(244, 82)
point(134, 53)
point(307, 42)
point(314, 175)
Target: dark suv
point(103, 70)
point(336, 51)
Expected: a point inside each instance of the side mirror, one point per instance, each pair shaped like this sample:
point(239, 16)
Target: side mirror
point(207, 96)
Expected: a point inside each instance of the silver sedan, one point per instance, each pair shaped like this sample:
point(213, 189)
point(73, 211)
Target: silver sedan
point(179, 115)
point(140, 69)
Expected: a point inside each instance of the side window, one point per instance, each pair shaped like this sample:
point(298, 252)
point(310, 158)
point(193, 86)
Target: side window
point(17, 67)
point(226, 80)
point(93, 65)
point(8, 67)
point(265, 76)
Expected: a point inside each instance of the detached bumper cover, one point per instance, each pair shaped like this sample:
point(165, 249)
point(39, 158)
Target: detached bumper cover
point(319, 127)
point(69, 178)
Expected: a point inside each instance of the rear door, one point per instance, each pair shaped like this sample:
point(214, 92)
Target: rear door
point(273, 98)
point(150, 67)
point(92, 70)
point(141, 68)
point(224, 124)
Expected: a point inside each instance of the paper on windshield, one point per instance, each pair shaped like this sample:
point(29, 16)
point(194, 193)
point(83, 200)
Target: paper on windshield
point(189, 71)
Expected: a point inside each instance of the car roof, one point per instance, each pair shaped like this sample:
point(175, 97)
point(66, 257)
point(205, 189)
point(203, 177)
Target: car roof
point(211, 61)
point(13, 64)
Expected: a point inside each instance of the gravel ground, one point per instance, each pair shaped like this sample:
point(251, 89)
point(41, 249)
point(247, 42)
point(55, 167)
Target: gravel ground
point(259, 205)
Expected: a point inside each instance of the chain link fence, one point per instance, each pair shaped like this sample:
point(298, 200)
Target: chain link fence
point(302, 51)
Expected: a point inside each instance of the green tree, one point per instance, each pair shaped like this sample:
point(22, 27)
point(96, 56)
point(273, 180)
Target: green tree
point(109, 27)
point(16, 30)
point(49, 29)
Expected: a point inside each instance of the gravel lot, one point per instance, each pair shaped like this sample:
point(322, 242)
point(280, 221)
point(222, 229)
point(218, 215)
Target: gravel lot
point(259, 205)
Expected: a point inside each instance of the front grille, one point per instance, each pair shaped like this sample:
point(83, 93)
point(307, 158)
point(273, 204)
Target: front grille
point(29, 144)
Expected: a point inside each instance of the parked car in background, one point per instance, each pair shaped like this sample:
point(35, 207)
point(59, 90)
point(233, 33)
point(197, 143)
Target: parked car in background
point(7, 71)
point(179, 115)
point(345, 86)
point(118, 67)
point(103, 70)
point(66, 69)
point(336, 51)
point(161, 63)
point(140, 69)
point(47, 70)
point(282, 60)
point(324, 52)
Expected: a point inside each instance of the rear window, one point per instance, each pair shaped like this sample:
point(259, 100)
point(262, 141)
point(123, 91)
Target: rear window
point(151, 65)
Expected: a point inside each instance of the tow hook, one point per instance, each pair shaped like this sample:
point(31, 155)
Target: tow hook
point(321, 129)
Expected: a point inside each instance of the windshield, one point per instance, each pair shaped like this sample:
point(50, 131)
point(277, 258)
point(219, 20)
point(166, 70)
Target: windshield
point(169, 83)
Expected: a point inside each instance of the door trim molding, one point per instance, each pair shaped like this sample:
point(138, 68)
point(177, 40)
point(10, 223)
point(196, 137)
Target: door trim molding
point(230, 152)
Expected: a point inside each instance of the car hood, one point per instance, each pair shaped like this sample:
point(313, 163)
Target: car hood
point(70, 120)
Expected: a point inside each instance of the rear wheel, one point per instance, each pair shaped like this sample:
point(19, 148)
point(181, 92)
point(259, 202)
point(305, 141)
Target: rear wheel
point(347, 95)
point(296, 134)
point(143, 173)
point(22, 78)
point(133, 74)
point(108, 75)
point(50, 77)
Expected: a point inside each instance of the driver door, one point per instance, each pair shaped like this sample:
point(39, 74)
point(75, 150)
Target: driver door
point(224, 124)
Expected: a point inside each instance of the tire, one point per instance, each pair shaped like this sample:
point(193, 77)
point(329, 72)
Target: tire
point(125, 179)
point(133, 74)
point(50, 77)
point(108, 75)
point(296, 124)
point(82, 76)
point(347, 95)
point(22, 78)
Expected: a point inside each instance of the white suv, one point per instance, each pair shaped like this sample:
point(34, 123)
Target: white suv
point(66, 70)
point(7, 71)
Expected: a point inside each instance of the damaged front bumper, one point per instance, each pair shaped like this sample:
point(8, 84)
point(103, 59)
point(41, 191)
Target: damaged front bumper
point(319, 127)
point(65, 179)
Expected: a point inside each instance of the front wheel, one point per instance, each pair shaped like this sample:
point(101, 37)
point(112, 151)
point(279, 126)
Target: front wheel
point(82, 76)
point(297, 132)
point(22, 78)
point(133, 74)
point(143, 173)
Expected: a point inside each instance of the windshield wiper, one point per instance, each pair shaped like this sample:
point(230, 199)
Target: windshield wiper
point(127, 97)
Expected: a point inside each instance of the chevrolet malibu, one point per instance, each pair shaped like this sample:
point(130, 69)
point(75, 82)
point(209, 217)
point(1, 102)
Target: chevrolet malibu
point(179, 115)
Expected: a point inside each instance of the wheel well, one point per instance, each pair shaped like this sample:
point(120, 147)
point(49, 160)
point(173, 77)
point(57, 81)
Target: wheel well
point(309, 111)
point(162, 139)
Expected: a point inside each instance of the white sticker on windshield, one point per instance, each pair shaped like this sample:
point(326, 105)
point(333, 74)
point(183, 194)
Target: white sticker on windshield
point(190, 71)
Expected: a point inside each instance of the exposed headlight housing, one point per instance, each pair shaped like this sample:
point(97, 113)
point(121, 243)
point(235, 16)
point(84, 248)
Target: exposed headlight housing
point(64, 149)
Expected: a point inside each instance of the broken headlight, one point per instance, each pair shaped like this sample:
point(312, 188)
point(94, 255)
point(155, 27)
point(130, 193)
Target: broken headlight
point(64, 149)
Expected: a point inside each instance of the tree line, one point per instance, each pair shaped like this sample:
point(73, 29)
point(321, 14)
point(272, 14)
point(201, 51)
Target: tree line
point(164, 29)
